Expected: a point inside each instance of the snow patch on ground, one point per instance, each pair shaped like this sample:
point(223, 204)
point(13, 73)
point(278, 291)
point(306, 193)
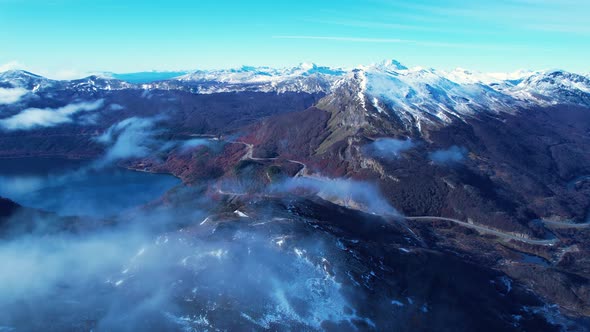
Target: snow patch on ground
point(507, 283)
point(241, 214)
point(397, 303)
point(189, 323)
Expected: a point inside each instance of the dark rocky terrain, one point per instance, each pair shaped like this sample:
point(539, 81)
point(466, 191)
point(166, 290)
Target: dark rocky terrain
point(322, 201)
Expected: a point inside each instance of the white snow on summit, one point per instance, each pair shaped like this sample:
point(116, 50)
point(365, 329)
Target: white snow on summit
point(464, 76)
point(426, 95)
point(248, 74)
point(418, 96)
point(554, 87)
point(307, 77)
point(414, 93)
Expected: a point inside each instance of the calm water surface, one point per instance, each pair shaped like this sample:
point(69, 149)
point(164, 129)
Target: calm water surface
point(71, 187)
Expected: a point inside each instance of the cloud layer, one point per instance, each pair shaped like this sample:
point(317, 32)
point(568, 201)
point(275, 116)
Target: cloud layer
point(129, 277)
point(351, 193)
point(12, 95)
point(47, 117)
point(130, 138)
point(138, 137)
point(389, 148)
point(454, 154)
point(10, 66)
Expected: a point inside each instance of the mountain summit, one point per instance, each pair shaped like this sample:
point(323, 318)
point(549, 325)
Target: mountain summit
point(357, 192)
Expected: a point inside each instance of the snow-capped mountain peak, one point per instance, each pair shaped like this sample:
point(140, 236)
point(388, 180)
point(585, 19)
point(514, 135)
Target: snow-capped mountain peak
point(418, 96)
point(24, 79)
point(464, 76)
point(307, 66)
point(554, 87)
point(415, 90)
point(391, 65)
point(306, 77)
point(558, 79)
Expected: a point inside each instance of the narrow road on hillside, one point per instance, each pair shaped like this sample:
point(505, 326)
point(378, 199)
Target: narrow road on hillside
point(559, 224)
point(482, 229)
point(249, 156)
point(303, 169)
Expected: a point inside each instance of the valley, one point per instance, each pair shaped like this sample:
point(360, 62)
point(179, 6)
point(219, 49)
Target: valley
point(377, 198)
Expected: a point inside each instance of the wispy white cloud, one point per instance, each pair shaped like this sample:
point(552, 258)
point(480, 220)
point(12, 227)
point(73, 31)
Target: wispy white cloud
point(10, 66)
point(452, 155)
point(389, 148)
point(127, 138)
point(58, 74)
point(69, 74)
point(11, 95)
point(565, 16)
point(348, 39)
point(47, 117)
point(137, 137)
point(341, 191)
point(130, 138)
point(395, 41)
point(561, 28)
point(414, 25)
point(373, 24)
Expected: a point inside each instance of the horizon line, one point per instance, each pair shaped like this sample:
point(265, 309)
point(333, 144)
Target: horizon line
point(65, 75)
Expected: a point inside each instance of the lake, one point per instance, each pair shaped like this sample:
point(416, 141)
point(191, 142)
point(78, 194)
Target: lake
point(72, 187)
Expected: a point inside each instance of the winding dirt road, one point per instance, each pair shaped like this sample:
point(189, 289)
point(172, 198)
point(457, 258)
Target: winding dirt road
point(481, 229)
point(485, 230)
point(558, 224)
point(249, 156)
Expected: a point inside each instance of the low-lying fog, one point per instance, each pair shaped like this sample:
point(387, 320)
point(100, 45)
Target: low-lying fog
point(69, 187)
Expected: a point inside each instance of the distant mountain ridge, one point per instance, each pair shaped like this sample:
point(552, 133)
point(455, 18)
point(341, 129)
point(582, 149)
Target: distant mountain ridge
point(252, 74)
point(506, 153)
point(416, 96)
point(310, 77)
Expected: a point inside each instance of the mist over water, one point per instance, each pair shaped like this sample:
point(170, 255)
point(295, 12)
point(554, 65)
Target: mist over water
point(71, 188)
point(202, 261)
point(147, 273)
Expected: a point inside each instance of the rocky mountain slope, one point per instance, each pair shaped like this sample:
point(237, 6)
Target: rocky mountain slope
point(490, 169)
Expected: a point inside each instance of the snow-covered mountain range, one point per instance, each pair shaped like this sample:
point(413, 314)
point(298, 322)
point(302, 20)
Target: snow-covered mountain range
point(419, 94)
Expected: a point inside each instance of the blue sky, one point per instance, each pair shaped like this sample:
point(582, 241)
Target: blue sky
point(64, 37)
